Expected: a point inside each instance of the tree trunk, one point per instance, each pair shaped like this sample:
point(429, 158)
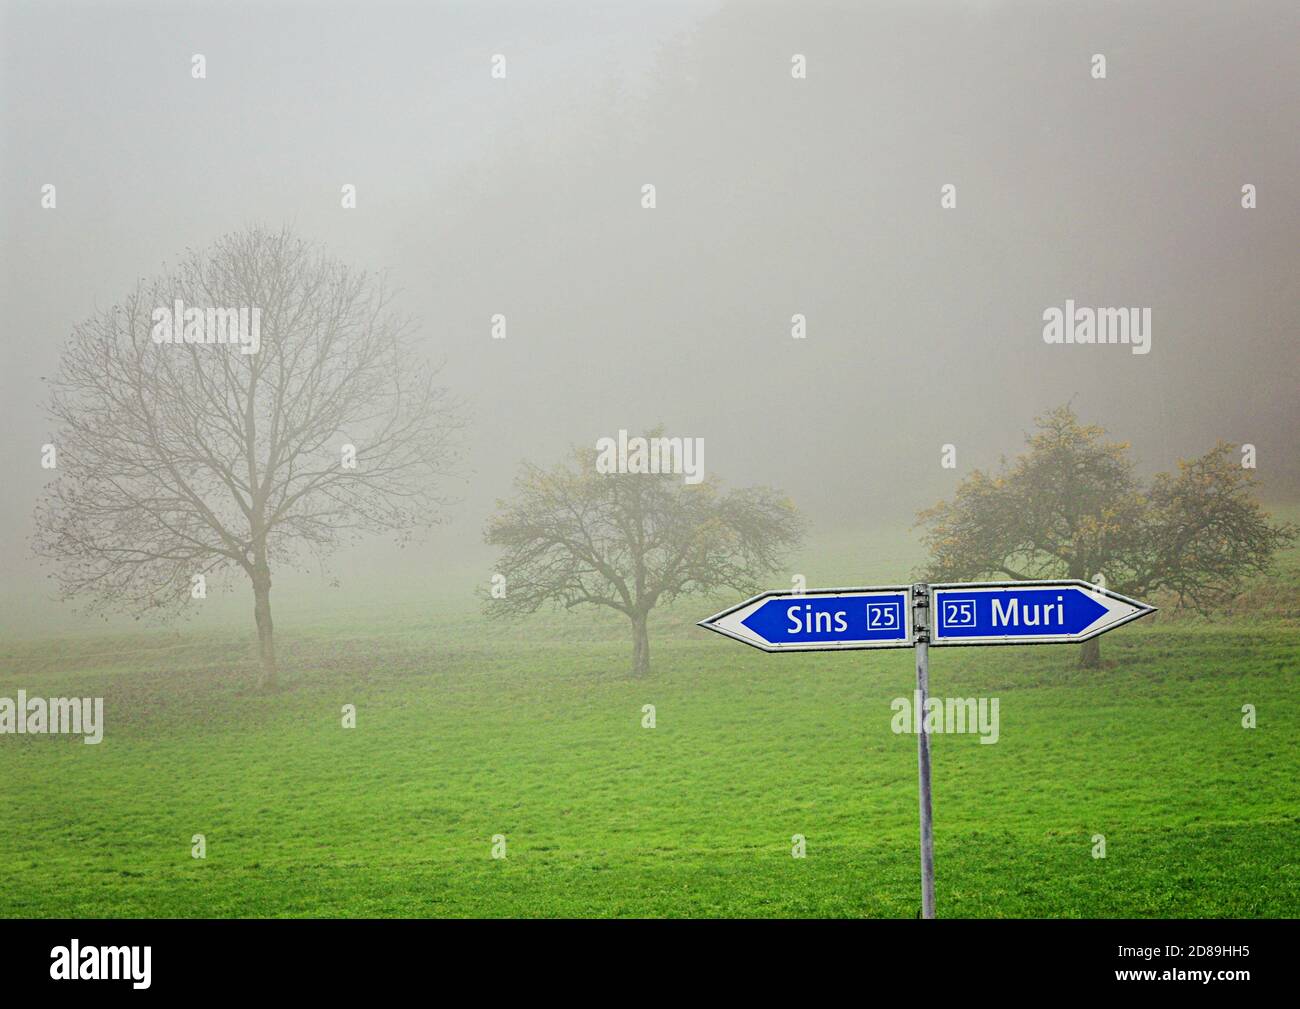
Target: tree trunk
point(640, 646)
point(266, 679)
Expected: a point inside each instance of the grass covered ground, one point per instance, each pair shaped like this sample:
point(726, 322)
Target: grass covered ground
point(466, 729)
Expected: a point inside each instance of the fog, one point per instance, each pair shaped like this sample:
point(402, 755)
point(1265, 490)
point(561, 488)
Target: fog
point(775, 196)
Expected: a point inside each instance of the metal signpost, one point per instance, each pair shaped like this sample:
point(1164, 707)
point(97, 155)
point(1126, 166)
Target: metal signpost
point(918, 616)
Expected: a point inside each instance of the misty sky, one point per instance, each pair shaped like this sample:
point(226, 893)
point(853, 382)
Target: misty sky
point(775, 196)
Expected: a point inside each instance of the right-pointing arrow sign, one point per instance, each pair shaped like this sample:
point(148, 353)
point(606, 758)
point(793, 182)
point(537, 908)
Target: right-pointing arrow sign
point(1008, 613)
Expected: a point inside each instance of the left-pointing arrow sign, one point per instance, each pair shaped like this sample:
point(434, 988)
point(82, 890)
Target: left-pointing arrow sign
point(822, 620)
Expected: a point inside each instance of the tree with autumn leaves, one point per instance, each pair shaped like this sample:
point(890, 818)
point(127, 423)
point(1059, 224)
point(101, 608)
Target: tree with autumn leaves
point(573, 536)
point(1073, 506)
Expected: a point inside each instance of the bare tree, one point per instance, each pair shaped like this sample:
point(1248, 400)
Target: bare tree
point(181, 459)
point(573, 536)
point(1072, 506)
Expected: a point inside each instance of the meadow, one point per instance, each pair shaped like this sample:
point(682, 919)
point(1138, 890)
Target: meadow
point(467, 728)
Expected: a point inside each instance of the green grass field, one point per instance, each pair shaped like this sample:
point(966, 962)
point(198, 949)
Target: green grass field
point(467, 729)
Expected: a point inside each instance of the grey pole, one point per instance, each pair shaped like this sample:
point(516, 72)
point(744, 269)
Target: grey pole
point(921, 626)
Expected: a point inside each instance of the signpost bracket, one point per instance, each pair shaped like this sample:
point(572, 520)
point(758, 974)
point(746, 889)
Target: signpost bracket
point(920, 613)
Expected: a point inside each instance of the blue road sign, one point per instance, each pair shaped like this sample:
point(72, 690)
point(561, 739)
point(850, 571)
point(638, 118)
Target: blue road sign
point(824, 620)
point(978, 613)
point(1007, 613)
